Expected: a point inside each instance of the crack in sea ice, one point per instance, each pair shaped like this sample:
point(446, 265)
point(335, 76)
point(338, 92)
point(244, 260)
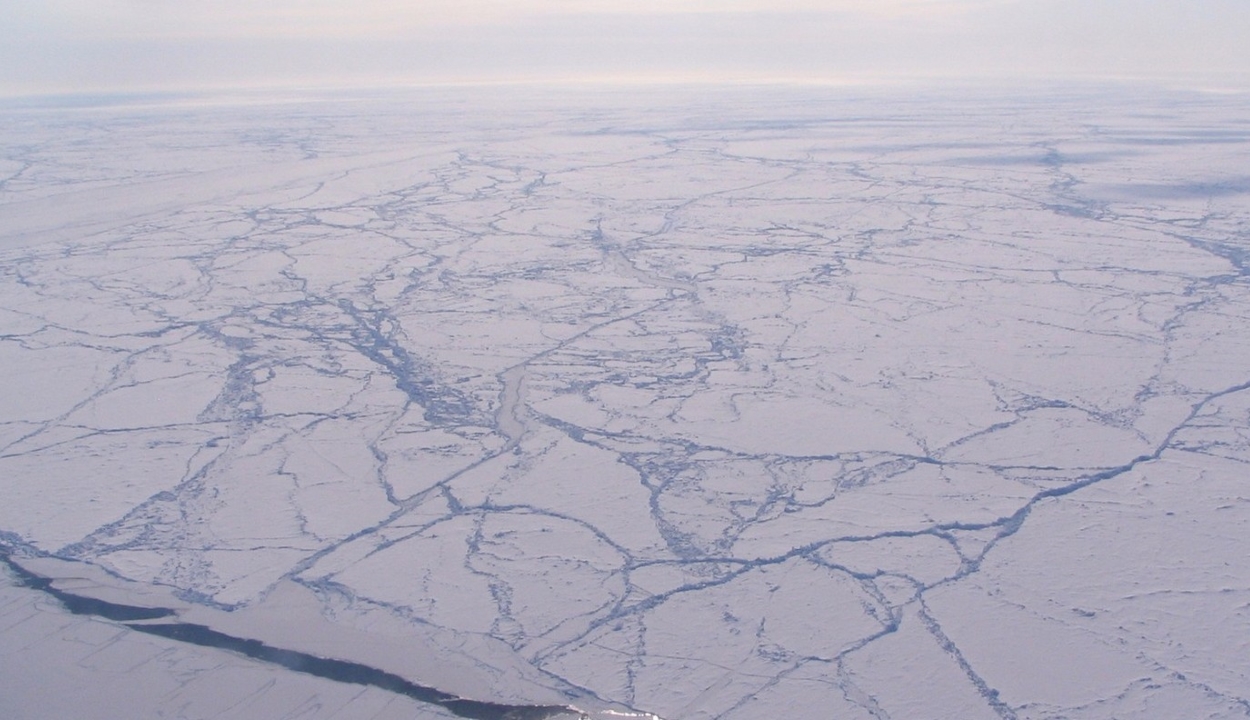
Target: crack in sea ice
point(146, 620)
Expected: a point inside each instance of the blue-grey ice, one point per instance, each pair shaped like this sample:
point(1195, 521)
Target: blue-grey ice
point(707, 402)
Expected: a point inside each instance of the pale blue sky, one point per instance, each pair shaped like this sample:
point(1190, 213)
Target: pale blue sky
point(105, 45)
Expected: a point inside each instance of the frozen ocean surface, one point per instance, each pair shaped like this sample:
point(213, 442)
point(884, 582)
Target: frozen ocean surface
point(708, 403)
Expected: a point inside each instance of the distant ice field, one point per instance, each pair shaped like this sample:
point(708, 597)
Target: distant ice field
point(700, 402)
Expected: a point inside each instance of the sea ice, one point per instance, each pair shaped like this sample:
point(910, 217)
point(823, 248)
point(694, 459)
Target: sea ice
point(788, 402)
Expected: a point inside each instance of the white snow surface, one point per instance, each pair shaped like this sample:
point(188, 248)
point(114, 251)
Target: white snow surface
point(733, 403)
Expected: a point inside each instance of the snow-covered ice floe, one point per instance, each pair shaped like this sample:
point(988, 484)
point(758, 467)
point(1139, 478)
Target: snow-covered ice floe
point(703, 402)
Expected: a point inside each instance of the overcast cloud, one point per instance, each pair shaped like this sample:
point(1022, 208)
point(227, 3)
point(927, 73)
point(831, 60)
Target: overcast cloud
point(103, 45)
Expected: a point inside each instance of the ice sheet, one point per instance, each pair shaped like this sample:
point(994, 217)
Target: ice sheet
point(720, 403)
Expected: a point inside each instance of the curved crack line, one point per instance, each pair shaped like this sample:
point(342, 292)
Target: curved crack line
point(344, 671)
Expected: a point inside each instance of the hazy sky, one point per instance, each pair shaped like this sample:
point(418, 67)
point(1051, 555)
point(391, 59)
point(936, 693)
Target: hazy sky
point(102, 45)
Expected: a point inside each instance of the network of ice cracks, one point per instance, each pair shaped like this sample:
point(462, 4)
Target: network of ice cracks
point(735, 404)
